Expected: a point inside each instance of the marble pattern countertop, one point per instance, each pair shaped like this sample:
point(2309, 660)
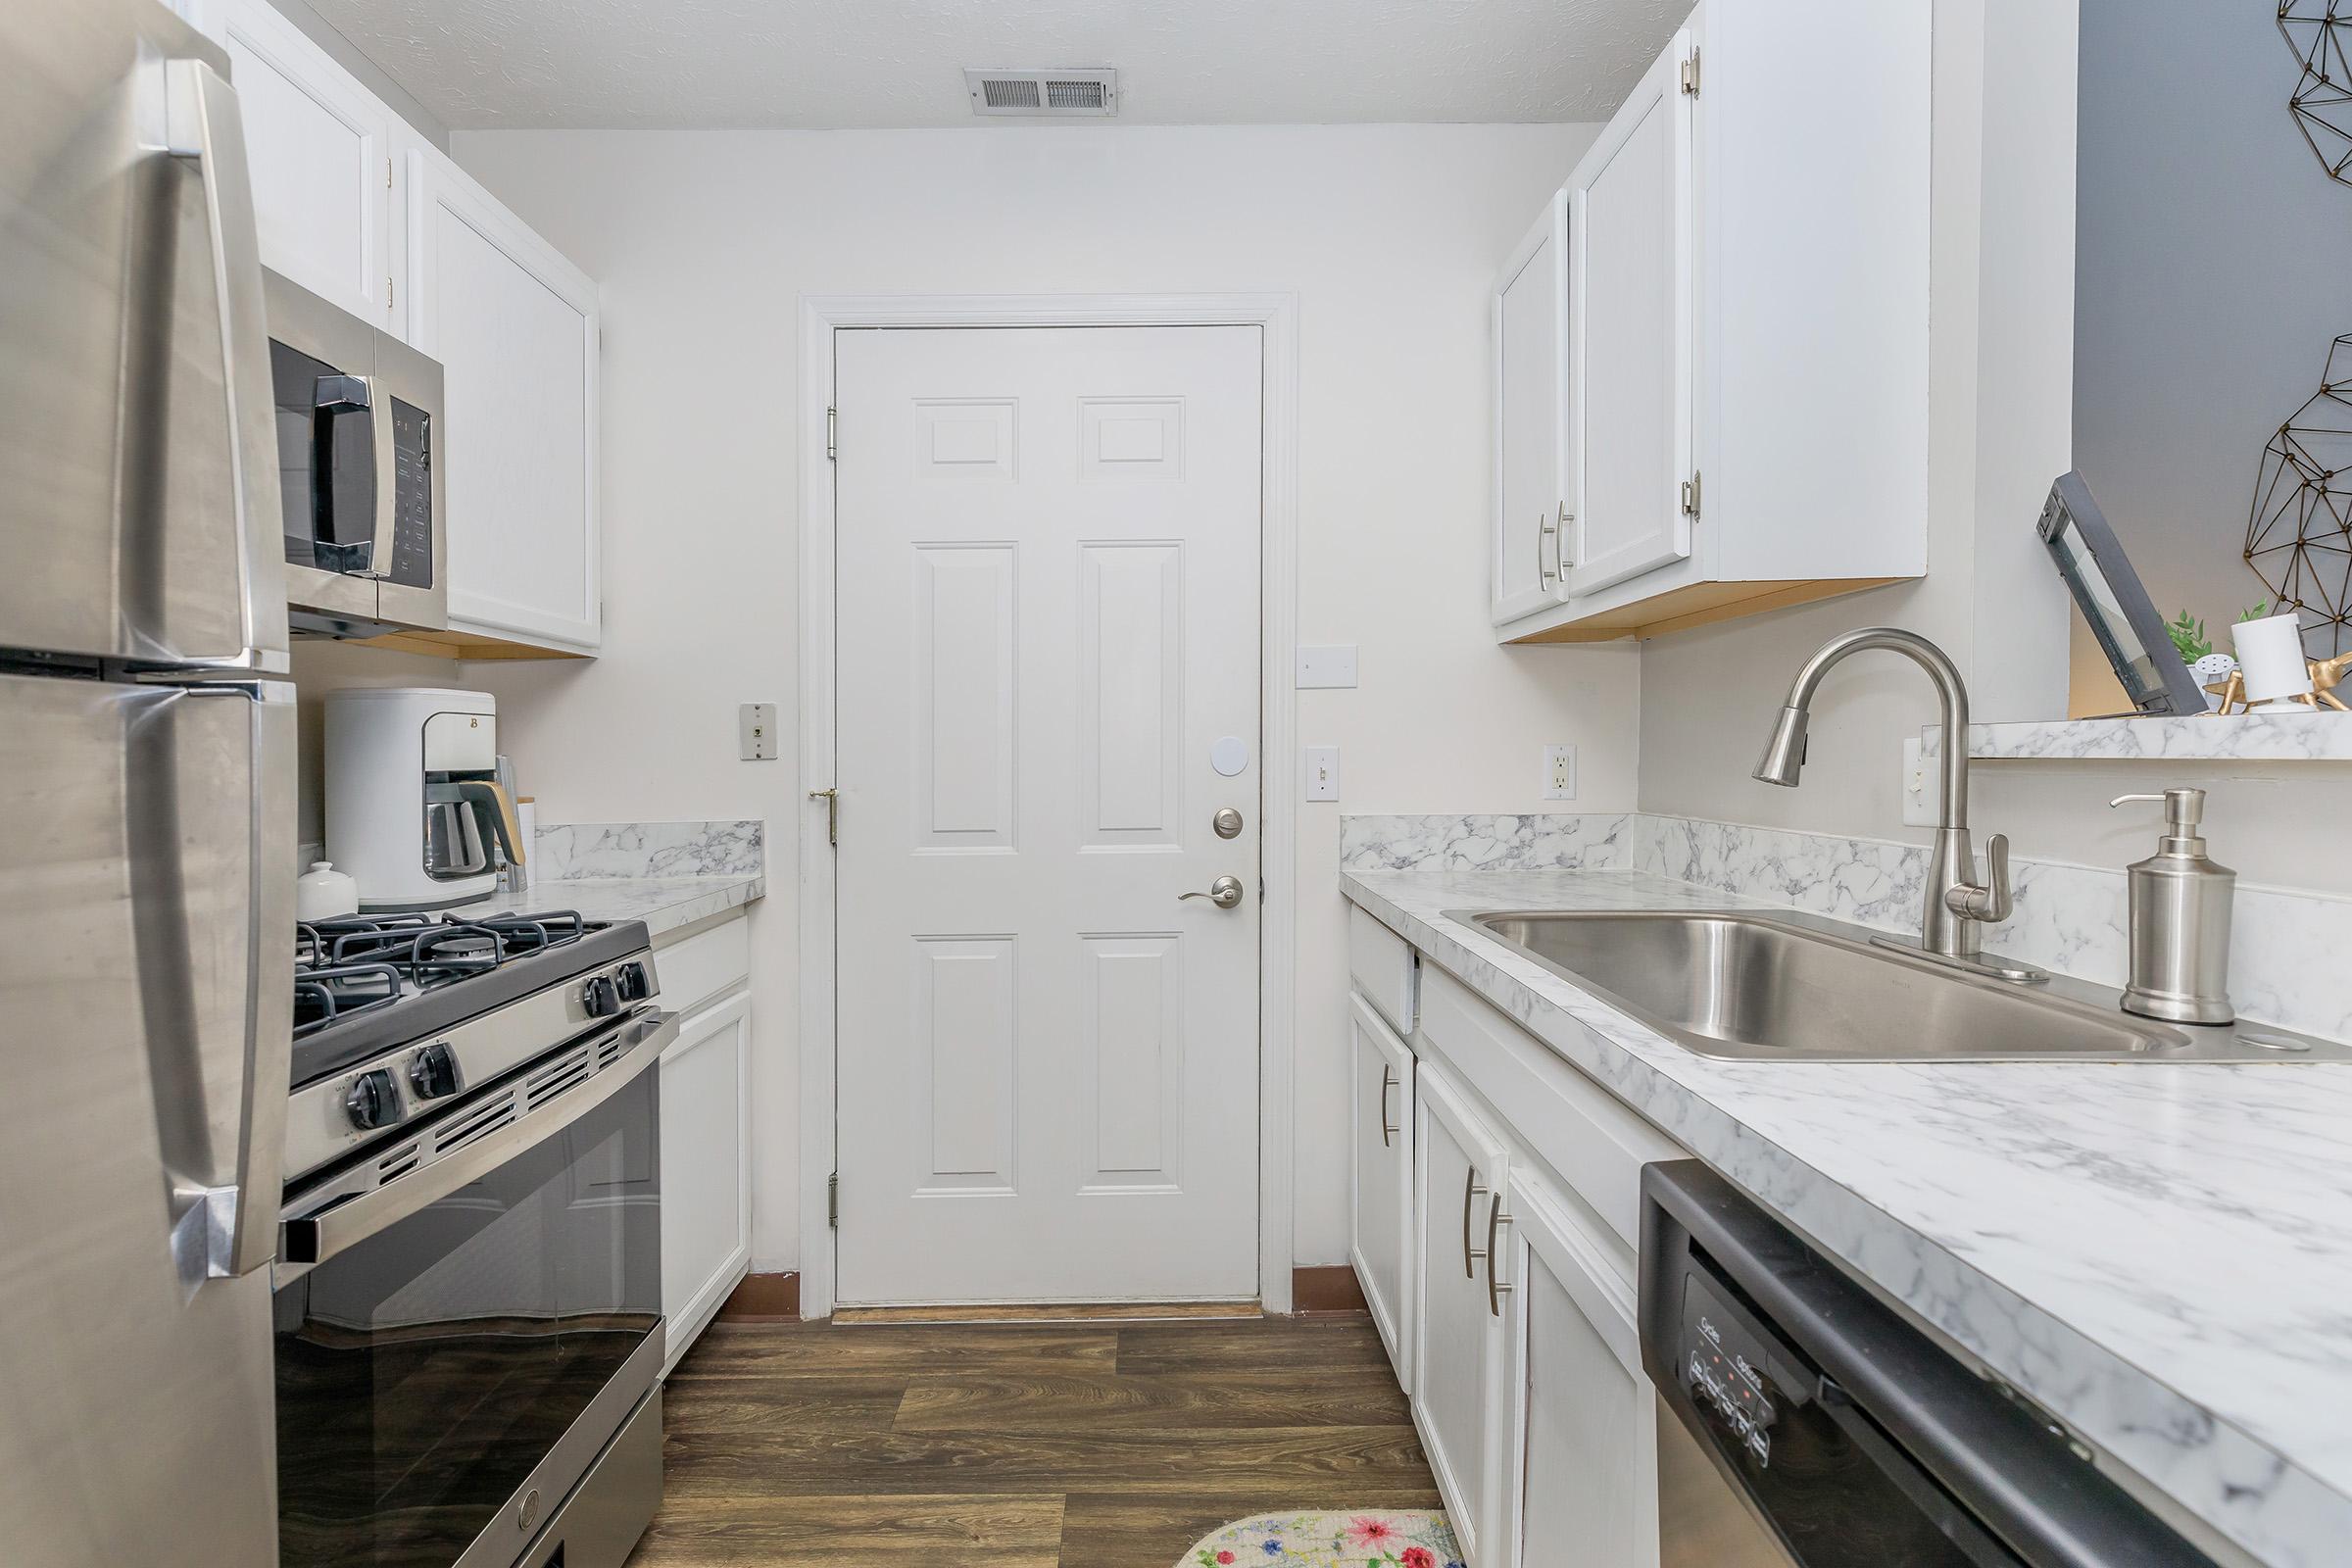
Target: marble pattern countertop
point(2160, 1255)
point(665, 904)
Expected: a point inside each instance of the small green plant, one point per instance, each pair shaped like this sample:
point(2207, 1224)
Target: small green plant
point(2189, 636)
point(2255, 610)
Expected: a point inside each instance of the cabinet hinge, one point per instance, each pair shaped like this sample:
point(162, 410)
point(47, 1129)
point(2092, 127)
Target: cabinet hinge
point(1692, 496)
point(1690, 76)
point(832, 431)
point(387, 173)
point(833, 1202)
point(387, 291)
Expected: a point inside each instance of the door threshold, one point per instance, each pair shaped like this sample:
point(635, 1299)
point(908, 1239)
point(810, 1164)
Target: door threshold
point(1054, 1312)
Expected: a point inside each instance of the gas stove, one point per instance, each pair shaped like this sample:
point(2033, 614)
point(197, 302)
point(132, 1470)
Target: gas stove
point(395, 1012)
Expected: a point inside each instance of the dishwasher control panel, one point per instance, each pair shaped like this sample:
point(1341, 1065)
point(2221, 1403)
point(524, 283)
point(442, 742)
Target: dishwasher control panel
point(1721, 1368)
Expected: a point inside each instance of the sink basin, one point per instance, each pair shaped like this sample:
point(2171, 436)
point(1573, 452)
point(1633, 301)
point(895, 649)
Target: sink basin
point(1796, 989)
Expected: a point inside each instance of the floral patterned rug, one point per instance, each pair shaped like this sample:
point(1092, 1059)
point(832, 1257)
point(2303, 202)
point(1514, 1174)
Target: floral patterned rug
point(1367, 1538)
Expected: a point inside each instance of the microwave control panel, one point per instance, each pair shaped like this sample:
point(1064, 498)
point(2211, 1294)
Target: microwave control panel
point(413, 496)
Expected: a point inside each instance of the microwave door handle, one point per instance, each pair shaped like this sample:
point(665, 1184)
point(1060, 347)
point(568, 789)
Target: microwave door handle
point(387, 479)
point(203, 126)
point(333, 398)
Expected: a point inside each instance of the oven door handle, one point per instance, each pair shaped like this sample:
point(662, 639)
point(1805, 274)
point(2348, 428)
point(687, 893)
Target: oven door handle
point(343, 1224)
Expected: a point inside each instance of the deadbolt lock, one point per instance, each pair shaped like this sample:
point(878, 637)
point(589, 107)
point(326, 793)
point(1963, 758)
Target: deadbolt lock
point(1227, 822)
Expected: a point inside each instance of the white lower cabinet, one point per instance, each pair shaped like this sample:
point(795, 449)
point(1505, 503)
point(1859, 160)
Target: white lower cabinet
point(706, 1166)
point(1380, 1211)
point(1457, 1361)
point(1578, 1417)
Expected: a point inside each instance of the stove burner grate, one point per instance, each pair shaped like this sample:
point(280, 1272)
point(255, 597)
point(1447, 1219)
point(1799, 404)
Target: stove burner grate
point(353, 964)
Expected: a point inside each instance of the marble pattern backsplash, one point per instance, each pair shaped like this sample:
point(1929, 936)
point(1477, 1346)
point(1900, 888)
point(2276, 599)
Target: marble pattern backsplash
point(2288, 963)
point(570, 852)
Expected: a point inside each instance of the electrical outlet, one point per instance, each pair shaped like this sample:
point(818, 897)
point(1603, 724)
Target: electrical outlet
point(1919, 807)
point(755, 732)
point(1559, 773)
point(1322, 772)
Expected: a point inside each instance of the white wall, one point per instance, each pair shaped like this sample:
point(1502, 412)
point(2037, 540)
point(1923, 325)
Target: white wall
point(704, 241)
point(2002, 382)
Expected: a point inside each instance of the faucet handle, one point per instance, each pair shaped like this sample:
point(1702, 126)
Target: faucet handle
point(1990, 902)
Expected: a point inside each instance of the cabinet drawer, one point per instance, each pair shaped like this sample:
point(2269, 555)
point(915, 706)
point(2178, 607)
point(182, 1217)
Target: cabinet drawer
point(694, 970)
point(1563, 1117)
point(1384, 968)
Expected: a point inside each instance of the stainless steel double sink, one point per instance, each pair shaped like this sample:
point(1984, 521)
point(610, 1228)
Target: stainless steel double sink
point(1796, 988)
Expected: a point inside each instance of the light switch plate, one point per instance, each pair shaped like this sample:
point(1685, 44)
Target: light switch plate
point(756, 726)
point(1559, 773)
point(1329, 666)
point(1919, 807)
point(1322, 772)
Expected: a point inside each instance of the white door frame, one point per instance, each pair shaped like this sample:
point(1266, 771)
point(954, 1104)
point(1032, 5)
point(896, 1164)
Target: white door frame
point(1277, 315)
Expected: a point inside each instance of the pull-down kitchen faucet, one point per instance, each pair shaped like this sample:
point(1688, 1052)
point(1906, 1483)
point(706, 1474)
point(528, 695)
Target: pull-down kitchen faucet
point(1955, 906)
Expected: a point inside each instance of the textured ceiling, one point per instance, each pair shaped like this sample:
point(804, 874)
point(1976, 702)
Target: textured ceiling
point(482, 64)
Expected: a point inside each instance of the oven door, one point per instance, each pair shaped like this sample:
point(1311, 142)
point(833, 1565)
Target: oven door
point(468, 1315)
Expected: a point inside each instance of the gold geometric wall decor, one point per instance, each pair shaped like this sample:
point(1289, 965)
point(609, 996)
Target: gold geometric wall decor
point(2299, 532)
point(2320, 32)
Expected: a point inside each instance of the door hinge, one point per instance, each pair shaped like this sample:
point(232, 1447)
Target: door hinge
point(1692, 495)
point(832, 430)
point(387, 173)
point(833, 1202)
point(1690, 76)
point(387, 291)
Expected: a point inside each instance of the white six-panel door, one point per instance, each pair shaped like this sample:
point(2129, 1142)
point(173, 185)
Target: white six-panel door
point(1047, 579)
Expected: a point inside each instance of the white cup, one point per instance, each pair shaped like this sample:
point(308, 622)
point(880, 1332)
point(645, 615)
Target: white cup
point(2270, 652)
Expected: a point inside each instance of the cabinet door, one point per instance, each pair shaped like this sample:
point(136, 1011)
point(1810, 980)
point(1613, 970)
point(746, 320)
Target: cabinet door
point(706, 1166)
point(1379, 1189)
point(320, 146)
point(1633, 360)
point(515, 326)
point(1530, 328)
point(1457, 1329)
point(1579, 1421)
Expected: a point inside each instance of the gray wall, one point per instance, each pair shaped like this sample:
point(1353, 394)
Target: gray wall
point(2212, 261)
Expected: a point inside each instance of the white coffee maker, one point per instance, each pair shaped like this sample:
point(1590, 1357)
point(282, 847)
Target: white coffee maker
point(414, 810)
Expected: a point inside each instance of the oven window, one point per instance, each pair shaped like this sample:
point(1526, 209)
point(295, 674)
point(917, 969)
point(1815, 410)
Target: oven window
point(423, 1373)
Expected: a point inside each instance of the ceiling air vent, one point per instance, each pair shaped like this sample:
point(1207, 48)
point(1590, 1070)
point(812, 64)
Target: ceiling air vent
point(1044, 94)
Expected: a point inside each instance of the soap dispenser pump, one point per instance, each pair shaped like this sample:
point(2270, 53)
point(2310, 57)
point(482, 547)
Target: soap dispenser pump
point(2180, 921)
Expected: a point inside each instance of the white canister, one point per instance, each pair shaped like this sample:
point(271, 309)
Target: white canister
point(2270, 652)
point(324, 893)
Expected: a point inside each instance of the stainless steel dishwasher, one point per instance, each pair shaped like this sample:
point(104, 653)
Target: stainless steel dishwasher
point(1803, 1424)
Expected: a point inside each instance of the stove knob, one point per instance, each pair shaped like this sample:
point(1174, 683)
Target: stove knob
point(433, 1072)
point(634, 982)
point(372, 1102)
point(601, 996)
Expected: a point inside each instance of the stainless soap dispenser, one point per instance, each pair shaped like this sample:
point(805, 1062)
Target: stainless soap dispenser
point(2180, 921)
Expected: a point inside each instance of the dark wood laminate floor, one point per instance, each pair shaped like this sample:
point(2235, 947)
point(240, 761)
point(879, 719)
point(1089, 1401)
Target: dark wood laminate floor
point(1016, 1446)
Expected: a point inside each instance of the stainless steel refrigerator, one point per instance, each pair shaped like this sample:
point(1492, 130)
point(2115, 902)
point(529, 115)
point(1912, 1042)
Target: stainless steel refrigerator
point(146, 803)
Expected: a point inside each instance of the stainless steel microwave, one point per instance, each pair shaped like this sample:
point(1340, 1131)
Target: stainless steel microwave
point(360, 475)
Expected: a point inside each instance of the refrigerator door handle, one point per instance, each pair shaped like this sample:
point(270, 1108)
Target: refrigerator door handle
point(239, 1226)
point(201, 126)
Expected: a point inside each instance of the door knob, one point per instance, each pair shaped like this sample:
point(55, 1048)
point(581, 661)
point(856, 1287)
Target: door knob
point(1225, 892)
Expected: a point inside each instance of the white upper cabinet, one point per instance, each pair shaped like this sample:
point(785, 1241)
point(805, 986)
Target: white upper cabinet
point(1744, 351)
point(516, 327)
point(1632, 361)
point(321, 150)
point(1531, 482)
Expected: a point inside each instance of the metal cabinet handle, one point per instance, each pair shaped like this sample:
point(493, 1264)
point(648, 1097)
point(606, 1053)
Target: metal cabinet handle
point(1388, 1081)
point(1495, 1290)
point(1225, 892)
point(1470, 1190)
point(1546, 528)
point(1561, 560)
